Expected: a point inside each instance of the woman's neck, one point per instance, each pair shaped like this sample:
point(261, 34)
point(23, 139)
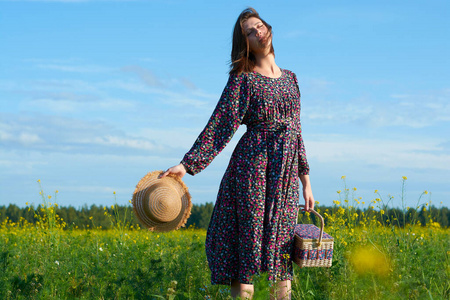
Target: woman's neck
point(265, 65)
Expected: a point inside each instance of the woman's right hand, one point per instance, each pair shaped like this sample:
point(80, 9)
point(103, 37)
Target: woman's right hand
point(179, 170)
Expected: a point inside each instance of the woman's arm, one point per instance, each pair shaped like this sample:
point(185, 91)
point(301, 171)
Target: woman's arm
point(223, 123)
point(307, 192)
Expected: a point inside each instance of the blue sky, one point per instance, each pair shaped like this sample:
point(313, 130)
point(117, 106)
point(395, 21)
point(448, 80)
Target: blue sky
point(95, 94)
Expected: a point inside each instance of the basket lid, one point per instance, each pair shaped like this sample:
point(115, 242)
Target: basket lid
point(310, 231)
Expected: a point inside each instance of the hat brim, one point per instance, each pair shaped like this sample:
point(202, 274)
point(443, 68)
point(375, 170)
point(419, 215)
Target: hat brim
point(139, 196)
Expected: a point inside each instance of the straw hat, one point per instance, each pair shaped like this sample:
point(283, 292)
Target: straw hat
point(162, 204)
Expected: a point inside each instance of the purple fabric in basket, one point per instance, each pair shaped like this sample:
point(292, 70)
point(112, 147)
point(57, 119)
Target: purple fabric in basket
point(302, 254)
point(321, 254)
point(309, 231)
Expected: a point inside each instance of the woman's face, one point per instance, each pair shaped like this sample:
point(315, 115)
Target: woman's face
point(259, 37)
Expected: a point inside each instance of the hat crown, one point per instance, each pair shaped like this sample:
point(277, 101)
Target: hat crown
point(162, 202)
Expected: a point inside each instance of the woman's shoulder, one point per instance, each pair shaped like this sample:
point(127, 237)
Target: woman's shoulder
point(239, 76)
point(288, 72)
point(290, 76)
point(237, 79)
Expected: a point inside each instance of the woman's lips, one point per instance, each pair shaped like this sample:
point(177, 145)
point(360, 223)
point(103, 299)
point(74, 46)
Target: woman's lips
point(264, 39)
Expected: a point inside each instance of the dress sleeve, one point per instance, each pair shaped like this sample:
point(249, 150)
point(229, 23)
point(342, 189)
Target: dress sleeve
point(303, 166)
point(223, 123)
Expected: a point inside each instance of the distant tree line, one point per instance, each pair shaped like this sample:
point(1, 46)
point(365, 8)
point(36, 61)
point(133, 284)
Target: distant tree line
point(97, 216)
point(389, 216)
point(105, 217)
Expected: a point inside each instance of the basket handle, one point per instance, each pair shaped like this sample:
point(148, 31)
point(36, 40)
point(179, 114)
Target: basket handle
point(322, 224)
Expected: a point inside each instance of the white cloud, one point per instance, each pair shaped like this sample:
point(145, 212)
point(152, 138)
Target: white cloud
point(92, 189)
point(28, 138)
point(58, 134)
point(422, 154)
point(411, 111)
point(169, 97)
point(75, 68)
point(69, 103)
point(22, 136)
point(117, 141)
point(146, 75)
point(62, 85)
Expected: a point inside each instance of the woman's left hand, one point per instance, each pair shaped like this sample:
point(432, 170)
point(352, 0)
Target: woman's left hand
point(309, 198)
point(307, 193)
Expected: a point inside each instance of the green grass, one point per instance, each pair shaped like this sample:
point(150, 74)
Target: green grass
point(373, 259)
point(95, 264)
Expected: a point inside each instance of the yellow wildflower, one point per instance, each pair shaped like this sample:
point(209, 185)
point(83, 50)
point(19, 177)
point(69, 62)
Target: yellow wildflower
point(343, 177)
point(404, 177)
point(435, 225)
point(368, 260)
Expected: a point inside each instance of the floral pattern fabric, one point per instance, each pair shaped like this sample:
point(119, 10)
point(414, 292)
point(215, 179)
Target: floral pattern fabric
point(252, 225)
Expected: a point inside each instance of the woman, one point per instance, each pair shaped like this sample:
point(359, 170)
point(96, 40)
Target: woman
point(251, 228)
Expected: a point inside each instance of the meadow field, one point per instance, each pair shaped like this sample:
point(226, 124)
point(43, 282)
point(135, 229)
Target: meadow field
point(373, 258)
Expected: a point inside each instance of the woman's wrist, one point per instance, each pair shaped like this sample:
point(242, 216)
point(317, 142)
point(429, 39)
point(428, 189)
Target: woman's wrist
point(185, 168)
point(305, 181)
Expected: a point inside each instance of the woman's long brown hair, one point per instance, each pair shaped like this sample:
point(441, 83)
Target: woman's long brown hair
point(242, 60)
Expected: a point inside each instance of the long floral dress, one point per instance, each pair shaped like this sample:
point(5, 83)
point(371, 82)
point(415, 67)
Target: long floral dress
point(251, 228)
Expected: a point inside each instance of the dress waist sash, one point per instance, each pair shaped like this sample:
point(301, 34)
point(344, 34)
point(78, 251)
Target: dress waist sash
point(273, 126)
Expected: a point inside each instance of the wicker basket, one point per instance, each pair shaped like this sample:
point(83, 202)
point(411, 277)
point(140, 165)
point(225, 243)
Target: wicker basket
point(312, 246)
